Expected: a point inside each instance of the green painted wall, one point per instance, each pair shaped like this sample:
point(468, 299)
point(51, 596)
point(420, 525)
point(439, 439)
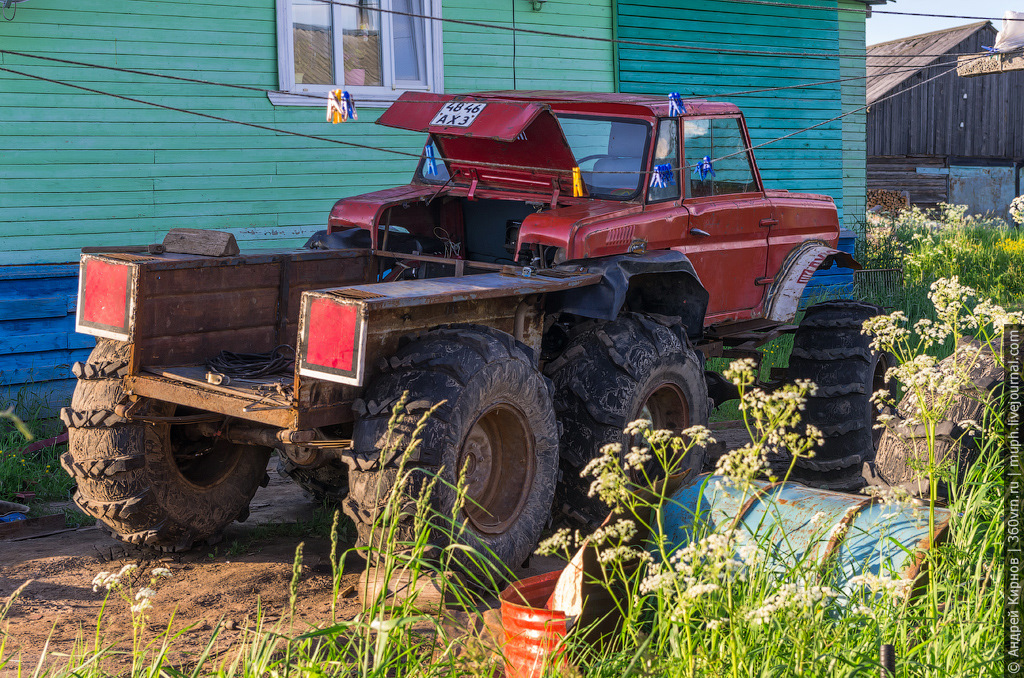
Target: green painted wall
point(811, 161)
point(79, 169)
point(851, 38)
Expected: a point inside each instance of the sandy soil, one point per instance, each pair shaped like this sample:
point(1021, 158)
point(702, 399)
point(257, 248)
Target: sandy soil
point(208, 586)
point(225, 585)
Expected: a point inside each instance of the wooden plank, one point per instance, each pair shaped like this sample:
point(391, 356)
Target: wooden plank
point(974, 65)
point(199, 241)
point(33, 307)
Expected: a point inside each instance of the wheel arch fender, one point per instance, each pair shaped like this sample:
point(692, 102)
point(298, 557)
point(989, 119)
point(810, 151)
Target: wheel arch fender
point(783, 298)
point(662, 282)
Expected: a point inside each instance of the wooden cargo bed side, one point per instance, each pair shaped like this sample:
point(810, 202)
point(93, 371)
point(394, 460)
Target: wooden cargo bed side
point(191, 308)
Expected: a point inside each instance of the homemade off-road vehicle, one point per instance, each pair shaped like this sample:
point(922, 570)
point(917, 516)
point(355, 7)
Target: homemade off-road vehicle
point(560, 265)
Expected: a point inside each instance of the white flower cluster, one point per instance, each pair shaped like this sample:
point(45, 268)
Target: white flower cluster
point(109, 580)
point(887, 330)
point(741, 465)
point(609, 482)
point(561, 542)
point(697, 564)
point(1017, 210)
point(896, 588)
point(790, 598)
point(143, 602)
point(619, 531)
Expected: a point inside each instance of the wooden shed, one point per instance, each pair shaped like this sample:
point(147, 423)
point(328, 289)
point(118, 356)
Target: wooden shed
point(946, 138)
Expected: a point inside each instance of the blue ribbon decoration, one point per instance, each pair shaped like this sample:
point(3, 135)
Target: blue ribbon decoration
point(675, 104)
point(350, 106)
point(431, 160)
point(662, 176)
point(704, 168)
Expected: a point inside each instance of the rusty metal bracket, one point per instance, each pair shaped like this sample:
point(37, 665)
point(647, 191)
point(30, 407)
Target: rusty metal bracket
point(129, 411)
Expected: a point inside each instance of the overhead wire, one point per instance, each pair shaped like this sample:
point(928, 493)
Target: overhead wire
point(703, 48)
point(872, 10)
point(322, 98)
point(417, 156)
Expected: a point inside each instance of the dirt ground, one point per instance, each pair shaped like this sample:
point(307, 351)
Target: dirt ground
point(223, 585)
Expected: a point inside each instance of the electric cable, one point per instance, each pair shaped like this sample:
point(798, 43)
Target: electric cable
point(621, 41)
point(254, 365)
point(546, 170)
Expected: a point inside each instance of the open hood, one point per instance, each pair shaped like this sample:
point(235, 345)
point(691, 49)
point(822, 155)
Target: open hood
point(490, 141)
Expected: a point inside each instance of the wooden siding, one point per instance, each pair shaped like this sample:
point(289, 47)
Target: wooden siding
point(81, 169)
point(926, 120)
point(810, 161)
point(98, 171)
point(851, 39)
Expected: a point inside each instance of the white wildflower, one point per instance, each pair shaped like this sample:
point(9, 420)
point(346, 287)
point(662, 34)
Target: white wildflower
point(818, 518)
point(699, 435)
point(621, 530)
point(741, 372)
point(161, 572)
point(638, 427)
point(699, 590)
point(636, 458)
point(142, 606)
point(742, 465)
point(887, 330)
point(715, 624)
point(882, 585)
point(144, 593)
point(559, 543)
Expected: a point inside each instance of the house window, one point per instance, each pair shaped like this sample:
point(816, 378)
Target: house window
point(375, 55)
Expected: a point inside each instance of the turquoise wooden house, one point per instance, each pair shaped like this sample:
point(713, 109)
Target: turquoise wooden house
point(83, 168)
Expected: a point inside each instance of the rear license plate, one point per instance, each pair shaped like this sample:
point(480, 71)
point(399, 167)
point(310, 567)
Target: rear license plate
point(457, 114)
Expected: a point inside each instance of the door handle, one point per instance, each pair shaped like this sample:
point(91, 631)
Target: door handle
point(768, 223)
point(699, 232)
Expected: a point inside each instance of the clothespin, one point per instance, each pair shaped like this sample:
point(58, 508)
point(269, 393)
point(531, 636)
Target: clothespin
point(340, 107)
point(350, 107)
point(662, 176)
point(336, 110)
point(577, 183)
point(675, 104)
point(431, 160)
point(704, 168)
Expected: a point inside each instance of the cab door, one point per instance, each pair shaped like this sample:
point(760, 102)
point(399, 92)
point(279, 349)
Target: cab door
point(729, 216)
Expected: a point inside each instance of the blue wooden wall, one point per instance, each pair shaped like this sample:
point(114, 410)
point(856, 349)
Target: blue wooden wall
point(38, 342)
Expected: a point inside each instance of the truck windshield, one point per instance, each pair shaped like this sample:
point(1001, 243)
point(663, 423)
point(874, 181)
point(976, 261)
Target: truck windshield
point(609, 152)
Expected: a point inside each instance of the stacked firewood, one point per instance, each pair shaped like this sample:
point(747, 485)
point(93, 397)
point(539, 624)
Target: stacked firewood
point(893, 202)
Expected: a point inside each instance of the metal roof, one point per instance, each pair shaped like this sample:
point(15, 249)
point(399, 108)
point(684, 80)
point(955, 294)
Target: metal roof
point(903, 61)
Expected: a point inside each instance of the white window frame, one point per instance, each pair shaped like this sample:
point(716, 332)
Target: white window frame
point(292, 94)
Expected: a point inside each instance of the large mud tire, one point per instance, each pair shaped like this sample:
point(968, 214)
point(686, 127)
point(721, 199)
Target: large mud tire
point(903, 453)
point(830, 350)
point(496, 420)
point(129, 477)
point(638, 366)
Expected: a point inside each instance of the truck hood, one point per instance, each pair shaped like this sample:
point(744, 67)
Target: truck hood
point(506, 144)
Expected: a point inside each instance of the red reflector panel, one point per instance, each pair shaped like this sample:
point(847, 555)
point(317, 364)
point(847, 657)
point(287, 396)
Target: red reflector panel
point(333, 341)
point(105, 293)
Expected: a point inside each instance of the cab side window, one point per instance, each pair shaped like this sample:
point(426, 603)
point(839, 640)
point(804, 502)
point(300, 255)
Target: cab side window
point(717, 161)
point(663, 181)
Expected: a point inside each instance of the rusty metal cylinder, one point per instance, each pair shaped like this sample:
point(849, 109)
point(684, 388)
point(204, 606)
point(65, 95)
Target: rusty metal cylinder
point(532, 632)
point(792, 522)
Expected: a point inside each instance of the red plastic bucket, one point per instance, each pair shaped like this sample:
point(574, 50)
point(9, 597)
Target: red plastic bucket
point(532, 633)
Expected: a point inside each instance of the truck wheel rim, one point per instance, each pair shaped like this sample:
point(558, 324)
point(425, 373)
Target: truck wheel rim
point(201, 465)
point(498, 462)
point(666, 408)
